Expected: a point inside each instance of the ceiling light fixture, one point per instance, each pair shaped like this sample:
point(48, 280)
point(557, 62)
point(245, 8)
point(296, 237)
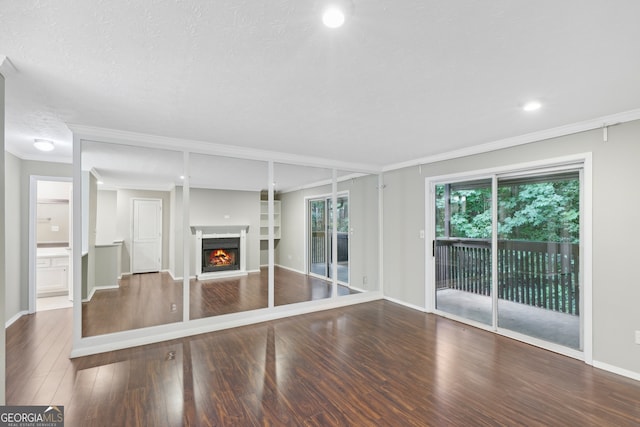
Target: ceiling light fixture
point(43, 144)
point(532, 106)
point(333, 17)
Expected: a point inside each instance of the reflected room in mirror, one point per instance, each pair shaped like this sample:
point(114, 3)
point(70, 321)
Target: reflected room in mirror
point(129, 230)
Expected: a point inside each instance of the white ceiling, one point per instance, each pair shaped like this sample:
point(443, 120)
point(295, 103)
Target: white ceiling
point(400, 80)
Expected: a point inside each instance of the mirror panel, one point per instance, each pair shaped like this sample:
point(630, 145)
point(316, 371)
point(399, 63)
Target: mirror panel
point(362, 232)
point(225, 221)
point(129, 275)
point(304, 249)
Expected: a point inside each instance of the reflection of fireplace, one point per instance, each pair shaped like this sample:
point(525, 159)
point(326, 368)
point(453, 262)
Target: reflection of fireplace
point(220, 251)
point(220, 254)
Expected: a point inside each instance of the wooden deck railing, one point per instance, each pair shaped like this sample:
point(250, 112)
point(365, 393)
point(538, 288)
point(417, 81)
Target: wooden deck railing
point(541, 274)
point(318, 250)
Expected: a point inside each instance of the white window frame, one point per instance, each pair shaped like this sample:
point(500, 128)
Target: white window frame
point(581, 161)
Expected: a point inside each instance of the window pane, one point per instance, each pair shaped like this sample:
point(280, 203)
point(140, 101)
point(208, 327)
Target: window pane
point(538, 257)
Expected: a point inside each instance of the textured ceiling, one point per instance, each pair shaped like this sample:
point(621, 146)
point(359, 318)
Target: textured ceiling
point(400, 80)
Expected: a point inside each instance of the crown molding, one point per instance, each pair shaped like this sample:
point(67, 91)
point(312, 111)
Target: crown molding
point(48, 158)
point(97, 134)
point(600, 122)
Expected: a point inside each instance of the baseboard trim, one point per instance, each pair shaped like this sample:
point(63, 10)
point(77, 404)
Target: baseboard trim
point(616, 370)
point(406, 304)
point(290, 269)
point(14, 318)
point(174, 278)
point(600, 365)
point(99, 288)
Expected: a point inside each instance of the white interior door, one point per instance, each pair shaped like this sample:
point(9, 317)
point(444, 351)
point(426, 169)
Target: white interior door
point(146, 241)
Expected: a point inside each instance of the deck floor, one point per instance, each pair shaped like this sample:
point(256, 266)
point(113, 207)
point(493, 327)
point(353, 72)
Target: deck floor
point(547, 325)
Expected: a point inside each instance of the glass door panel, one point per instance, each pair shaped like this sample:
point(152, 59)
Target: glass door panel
point(343, 238)
point(538, 257)
point(321, 242)
point(318, 261)
point(462, 249)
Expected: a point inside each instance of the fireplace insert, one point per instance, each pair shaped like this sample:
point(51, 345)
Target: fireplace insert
point(220, 254)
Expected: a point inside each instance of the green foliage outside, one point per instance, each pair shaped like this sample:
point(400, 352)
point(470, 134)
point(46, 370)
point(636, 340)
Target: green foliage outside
point(318, 215)
point(538, 211)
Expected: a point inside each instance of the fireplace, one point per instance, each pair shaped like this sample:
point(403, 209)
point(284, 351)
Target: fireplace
point(220, 254)
point(220, 251)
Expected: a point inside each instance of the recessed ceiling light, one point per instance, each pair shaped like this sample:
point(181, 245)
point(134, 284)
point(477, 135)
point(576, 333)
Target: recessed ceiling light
point(333, 17)
point(100, 182)
point(532, 106)
point(43, 145)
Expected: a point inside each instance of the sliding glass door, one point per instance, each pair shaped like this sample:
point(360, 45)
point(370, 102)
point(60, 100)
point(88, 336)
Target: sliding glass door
point(462, 249)
point(510, 260)
point(321, 237)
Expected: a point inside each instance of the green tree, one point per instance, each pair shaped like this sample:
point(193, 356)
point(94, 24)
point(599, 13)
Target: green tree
point(546, 211)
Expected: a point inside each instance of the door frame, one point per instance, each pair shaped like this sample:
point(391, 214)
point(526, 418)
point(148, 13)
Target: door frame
point(584, 162)
point(132, 231)
point(307, 234)
point(33, 254)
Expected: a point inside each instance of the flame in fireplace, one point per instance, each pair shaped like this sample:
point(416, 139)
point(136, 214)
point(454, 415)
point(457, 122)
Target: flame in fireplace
point(220, 257)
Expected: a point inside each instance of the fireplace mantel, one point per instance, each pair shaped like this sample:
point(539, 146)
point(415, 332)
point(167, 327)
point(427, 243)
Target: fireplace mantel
point(220, 231)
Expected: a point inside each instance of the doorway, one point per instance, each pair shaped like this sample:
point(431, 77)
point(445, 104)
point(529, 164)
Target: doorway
point(321, 237)
point(506, 253)
point(146, 236)
point(50, 283)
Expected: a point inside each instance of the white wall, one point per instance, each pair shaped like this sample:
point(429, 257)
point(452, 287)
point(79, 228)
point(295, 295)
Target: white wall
point(616, 293)
point(3, 349)
point(176, 259)
point(107, 210)
point(290, 250)
point(363, 221)
point(13, 219)
point(363, 240)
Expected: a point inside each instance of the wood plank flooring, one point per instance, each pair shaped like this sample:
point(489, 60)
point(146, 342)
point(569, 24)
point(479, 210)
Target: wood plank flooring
point(372, 364)
point(152, 299)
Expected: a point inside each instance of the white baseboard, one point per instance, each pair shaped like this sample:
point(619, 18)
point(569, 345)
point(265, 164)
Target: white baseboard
point(174, 278)
point(600, 365)
point(290, 269)
point(14, 318)
point(406, 304)
point(99, 288)
point(616, 370)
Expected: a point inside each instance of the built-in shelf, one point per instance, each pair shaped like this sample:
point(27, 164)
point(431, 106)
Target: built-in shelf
point(264, 219)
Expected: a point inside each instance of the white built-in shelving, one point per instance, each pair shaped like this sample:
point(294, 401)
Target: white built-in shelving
point(264, 219)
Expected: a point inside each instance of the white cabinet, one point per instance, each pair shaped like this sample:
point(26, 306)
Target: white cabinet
point(52, 275)
point(264, 219)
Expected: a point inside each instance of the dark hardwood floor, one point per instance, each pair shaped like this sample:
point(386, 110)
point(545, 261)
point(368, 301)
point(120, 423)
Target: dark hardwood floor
point(372, 364)
point(152, 299)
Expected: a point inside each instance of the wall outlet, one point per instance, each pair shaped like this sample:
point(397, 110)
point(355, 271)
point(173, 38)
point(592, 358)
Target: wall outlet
point(55, 228)
point(364, 280)
point(637, 337)
point(422, 234)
